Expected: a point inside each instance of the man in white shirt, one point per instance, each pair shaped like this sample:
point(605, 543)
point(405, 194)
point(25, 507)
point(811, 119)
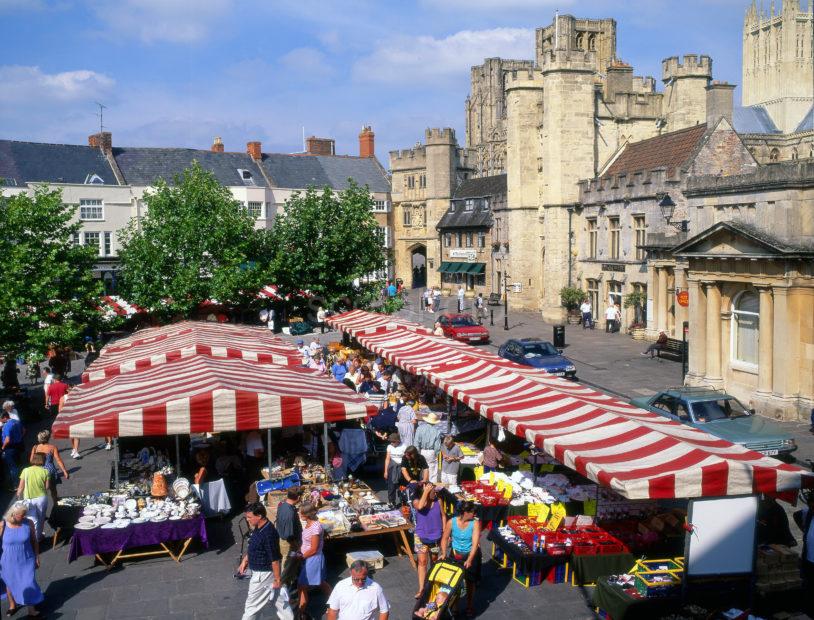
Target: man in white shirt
point(610, 318)
point(304, 351)
point(586, 311)
point(358, 597)
point(436, 299)
point(314, 347)
point(461, 294)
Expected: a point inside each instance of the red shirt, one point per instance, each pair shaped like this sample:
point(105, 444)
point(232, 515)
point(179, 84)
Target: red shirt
point(56, 391)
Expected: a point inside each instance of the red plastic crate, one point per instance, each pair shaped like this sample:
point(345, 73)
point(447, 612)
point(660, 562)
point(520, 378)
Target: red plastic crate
point(605, 547)
point(581, 548)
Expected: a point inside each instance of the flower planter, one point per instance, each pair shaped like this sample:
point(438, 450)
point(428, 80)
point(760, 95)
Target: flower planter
point(637, 333)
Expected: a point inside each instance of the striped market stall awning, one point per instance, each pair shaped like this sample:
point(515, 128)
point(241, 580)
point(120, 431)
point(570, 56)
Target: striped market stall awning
point(639, 454)
point(206, 394)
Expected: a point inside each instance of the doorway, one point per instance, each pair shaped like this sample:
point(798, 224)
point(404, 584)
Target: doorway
point(418, 263)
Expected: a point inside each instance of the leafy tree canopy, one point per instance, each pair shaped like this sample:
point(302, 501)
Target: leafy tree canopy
point(195, 243)
point(48, 293)
point(324, 240)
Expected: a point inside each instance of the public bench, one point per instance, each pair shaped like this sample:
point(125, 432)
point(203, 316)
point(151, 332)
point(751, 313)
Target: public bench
point(673, 348)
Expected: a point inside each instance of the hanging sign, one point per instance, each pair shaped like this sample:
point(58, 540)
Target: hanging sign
point(683, 298)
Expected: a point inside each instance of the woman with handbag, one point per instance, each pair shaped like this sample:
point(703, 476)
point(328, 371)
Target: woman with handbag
point(462, 538)
point(314, 571)
point(53, 462)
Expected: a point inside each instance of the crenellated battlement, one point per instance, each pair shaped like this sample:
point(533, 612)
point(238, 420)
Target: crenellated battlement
point(623, 187)
point(523, 78)
point(578, 61)
point(691, 66)
point(644, 85)
point(415, 157)
point(435, 135)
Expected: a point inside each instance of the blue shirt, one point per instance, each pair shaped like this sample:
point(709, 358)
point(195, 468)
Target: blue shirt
point(384, 420)
point(339, 371)
point(264, 548)
point(391, 290)
point(13, 430)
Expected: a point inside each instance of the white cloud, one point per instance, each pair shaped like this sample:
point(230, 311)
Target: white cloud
point(408, 59)
point(30, 85)
point(173, 21)
point(307, 61)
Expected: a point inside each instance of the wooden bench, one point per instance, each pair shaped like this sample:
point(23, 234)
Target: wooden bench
point(673, 347)
point(494, 299)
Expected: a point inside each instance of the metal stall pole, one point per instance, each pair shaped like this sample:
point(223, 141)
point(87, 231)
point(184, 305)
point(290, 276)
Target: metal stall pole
point(177, 457)
point(116, 463)
point(325, 451)
point(269, 450)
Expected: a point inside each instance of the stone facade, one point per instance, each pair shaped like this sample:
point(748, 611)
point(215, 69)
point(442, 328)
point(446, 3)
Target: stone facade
point(751, 287)
point(423, 181)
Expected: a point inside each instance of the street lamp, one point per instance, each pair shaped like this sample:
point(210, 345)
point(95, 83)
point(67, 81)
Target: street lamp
point(667, 207)
point(505, 300)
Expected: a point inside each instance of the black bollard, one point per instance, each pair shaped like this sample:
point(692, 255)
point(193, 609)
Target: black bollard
point(492, 318)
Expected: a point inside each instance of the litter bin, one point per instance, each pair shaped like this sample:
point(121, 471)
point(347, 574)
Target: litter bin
point(559, 336)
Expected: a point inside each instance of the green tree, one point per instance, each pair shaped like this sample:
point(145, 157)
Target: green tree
point(195, 243)
point(48, 293)
point(324, 240)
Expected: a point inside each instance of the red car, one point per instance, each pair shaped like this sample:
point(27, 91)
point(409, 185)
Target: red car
point(464, 328)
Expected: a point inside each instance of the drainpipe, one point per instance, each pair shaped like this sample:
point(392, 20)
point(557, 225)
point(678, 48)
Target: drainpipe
point(570, 242)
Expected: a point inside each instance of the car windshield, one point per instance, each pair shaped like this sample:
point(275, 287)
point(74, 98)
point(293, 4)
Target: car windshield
point(540, 349)
point(463, 321)
point(723, 408)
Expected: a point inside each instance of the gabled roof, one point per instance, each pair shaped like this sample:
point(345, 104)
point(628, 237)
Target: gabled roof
point(303, 171)
point(760, 239)
point(753, 119)
point(807, 124)
point(23, 162)
point(144, 166)
point(671, 150)
point(481, 187)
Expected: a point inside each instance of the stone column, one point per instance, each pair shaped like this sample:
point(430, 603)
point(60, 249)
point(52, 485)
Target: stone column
point(662, 301)
point(713, 373)
point(651, 297)
point(671, 303)
point(698, 332)
point(766, 340)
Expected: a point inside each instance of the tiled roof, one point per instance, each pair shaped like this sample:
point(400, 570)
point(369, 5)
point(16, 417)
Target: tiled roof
point(670, 150)
point(480, 187)
point(144, 166)
point(303, 171)
point(22, 162)
point(753, 119)
point(807, 124)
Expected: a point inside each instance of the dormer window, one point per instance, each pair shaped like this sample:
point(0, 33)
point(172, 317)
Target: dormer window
point(94, 179)
point(469, 204)
point(246, 176)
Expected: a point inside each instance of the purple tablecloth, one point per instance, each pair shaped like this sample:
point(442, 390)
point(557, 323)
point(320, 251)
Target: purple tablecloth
point(91, 542)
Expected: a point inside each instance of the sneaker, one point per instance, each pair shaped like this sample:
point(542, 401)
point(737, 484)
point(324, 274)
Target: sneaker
point(108, 446)
point(644, 353)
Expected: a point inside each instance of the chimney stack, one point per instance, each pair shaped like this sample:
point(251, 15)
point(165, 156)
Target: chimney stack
point(320, 146)
point(102, 140)
point(367, 145)
point(719, 102)
point(217, 145)
point(255, 150)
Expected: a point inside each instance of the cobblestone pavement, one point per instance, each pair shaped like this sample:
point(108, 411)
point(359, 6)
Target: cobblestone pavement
point(202, 585)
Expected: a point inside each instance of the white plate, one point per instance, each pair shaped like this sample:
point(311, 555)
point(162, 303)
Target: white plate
point(175, 518)
point(109, 526)
point(158, 519)
point(130, 504)
point(87, 519)
point(138, 520)
point(85, 526)
point(103, 520)
point(121, 524)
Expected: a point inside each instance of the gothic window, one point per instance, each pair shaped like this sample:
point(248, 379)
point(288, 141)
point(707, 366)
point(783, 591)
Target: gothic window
point(745, 327)
point(794, 153)
point(774, 155)
point(592, 42)
point(408, 216)
point(580, 41)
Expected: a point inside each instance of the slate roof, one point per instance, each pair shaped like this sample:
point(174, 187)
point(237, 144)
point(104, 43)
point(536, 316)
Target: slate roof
point(22, 162)
point(303, 171)
point(807, 124)
point(143, 166)
point(480, 187)
point(670, 150)
point(753, 119)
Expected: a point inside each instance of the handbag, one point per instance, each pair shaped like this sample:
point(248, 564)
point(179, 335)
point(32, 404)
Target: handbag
point(280, 484)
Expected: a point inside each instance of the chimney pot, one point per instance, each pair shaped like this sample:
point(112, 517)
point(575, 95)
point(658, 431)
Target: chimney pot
point(217, 145)
point(719, 102)
point(255, 150)
point(320, 146)
point(367, 143)
point(102, 140)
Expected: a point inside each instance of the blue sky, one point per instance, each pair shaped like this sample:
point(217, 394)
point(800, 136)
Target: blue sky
point(179, 72)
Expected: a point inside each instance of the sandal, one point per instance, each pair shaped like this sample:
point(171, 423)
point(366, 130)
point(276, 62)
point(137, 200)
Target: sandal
point(11, 611)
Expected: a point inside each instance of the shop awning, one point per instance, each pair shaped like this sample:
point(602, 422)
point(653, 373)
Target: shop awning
point(457, 267)
point(186, 339)
point(356, 321)
point(476, 268)
point(203, 394)
point(636, 453)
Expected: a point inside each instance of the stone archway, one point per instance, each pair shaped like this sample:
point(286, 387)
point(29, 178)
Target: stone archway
point(418, 264)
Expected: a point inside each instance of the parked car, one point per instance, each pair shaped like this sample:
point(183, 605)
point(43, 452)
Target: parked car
point(539, 354)
point(464, 328)
point(722, 415)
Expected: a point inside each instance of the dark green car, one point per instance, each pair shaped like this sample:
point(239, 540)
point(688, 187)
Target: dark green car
point(722, 415)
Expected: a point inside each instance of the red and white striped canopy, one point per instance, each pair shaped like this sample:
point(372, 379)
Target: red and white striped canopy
point(193, 338)
point(357, 321)
point(273, 292)
point(113, 305)
point(637, 453)
point(205, 394)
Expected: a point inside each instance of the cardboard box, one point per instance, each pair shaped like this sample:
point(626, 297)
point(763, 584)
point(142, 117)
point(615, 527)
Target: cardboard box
point(372, 558)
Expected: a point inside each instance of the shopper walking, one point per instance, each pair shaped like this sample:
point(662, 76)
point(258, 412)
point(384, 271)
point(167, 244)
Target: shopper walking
point(33, 489)
point(436, 299)
point(289, 529)
point(392, 466)
point(610, 318)
point(451, 457)
point(462, 538)
point(428, 441)
point(53, 462)
point(461, 294)
point(263, 559)
point(430, 522)
point(314, 570)
point(19, 560)
point(358, 597)
point(587, 311)
point(12, 446)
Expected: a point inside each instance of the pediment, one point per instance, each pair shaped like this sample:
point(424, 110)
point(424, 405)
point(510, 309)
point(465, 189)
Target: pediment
point(727, 239)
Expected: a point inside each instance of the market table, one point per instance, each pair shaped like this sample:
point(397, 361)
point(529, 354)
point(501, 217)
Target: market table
point(118, 540)
point(620, 605)
point(586, 569)
point(398, 532)
point(527, 563)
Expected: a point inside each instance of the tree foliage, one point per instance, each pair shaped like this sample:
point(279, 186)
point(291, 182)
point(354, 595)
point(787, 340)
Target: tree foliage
point(324, 240)
point(48, 293)
point(195, 243)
